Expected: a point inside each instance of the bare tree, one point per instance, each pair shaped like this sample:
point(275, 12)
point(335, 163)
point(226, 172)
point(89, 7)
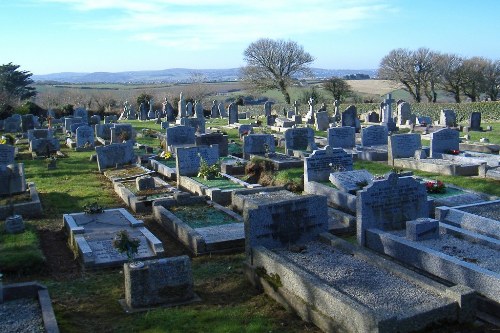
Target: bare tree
point(414, 69)
point(338, 87)
point(271, 64)
point(452, 74)
point(474, 83)
point(492, 78)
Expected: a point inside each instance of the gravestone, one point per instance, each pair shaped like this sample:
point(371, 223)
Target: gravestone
point(74, 127)
point(270, 120)
point(165, 281)
point(115, 154)
point(233, 113)
point(214, 110)
point(181, 107)
point(12, 179)
point(310, 114)
point(103, 131)
point(283, 222)
point(39, 133)
point(198, 109)
point(44, 147)
point(110, 119)
point(267, 108)
point(386, 111)
point(7, 154)
point(144, 183)
point(14, 224)
point(189, 109)
point(95, 119)
point(168, 110)
point(12, 124)
point(404, 114)
point(422, 229)
point(443, 141)
point(84, 137)
point(448, 118)
point(373, 117)
point(68, 121)
point(244, 130)
point(222, 110)
point(188, 159)
point(350, 118)
point(179, 135)
point(143, 112)
point(296, 108)
point(389, 203)
point(122, 132)
point(350, 181)
point(301, 138)
point(81, 113)
point(197, 123)
point(424, 121)
point(342, 137)
point(151, 114)
point(283, 122)
point(403, 146)
point(322, 121)
point(256, 144)
point(218, 139)
point(28, 122)
point(475, 121)
point(322, 162)
point(374, 135)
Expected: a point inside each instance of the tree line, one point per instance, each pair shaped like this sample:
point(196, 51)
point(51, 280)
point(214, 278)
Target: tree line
point(423, 72)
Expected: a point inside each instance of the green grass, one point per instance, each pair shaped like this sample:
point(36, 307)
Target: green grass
point(222, 183)
point(199, 216)
point(289, 175)
point(20, 253)
point(493, 136)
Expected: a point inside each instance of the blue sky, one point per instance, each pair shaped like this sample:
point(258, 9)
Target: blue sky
point(49, 36)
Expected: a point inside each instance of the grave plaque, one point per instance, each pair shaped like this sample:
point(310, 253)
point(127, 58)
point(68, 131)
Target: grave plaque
point(322, 162)
point(443, 141)
point(389, 203)
point(114, 154)
point(403, 145)
point(351, 181)
point(342, 137)
point(84, 137)
point(122, 132)
point(374, 135)
point(188, 159)
point(179, 135)
point(301, 138)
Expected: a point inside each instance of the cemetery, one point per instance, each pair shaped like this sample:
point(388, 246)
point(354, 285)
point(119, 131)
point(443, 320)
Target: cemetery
point(265, 204)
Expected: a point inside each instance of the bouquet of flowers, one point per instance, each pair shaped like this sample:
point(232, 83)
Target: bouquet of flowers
point(435, 187)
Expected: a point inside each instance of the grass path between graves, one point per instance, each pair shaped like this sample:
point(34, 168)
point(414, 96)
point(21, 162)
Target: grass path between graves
point(87, 301)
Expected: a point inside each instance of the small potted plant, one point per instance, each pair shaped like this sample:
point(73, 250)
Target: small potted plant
point(206, 171)
point(128, 245)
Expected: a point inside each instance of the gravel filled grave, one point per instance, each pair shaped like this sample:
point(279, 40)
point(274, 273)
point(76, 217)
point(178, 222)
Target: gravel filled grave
point(21, 315)
point(379, 290)
point(491, 211)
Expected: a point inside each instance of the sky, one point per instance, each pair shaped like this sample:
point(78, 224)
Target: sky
point(52, 36)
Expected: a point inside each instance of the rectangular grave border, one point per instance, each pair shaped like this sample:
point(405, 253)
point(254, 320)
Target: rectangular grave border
point(280, 161)
point(345, 313)
point(191, 237)
point(143, 172)
point(32, 208)
point(82, 249)
point(140, 204)
point(162, 169)
point(448, 168)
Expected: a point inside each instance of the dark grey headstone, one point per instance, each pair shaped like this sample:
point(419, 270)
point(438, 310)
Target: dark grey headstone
point(444, 140)
point(301, 138)
point(188, 159)
point(7, 154)
point(114, 154)
point(342, 137)
point(374, 135)
point(322, 162)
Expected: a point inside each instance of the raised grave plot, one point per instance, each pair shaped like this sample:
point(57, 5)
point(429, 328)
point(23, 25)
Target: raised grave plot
point(128, 172)
point(164, 167)
point(142, 201)
point(280, 161)
point(91, 237)
point(443, 167)
point(203, 228)
point(26, 203)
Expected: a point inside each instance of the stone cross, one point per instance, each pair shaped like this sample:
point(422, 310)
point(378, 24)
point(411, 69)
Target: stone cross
point(296, 108)
point(387, 111)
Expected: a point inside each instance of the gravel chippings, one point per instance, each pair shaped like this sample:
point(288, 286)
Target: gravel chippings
point(491, 211)
point(377, 289)
point(464, 250)
point(22, 315)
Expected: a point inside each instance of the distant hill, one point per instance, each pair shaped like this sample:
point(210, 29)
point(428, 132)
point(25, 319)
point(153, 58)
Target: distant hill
point(175, 75)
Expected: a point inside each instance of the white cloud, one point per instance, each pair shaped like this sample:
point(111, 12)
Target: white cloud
point(200, 24)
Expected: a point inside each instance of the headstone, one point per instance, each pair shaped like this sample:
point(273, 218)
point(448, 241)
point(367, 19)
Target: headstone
point(424, 121)
point(349, 117)
point(12, 179)
point(322, 162)
point(222, 110)
point(448, 118)
point(197, 123)
point(270, 120)
point(342, 137)
point(12, 124)
point(189, 109)
point(159, 282)
point(210, 139)
point(143, 112)
point(267, 108)
point(122, 132)
point(188, 159)
point(301, 138)
point(179, 135)
point(115, 154)
point(28, 122)
point(144, 183)
point(103, 131)
point(84, 137)
point(389, 203)
point(44, 147)
point(181, 106)
point(336, 112)
point(198, 108)
point(233, 113)
point(244, 130)
point(322, 120)
point(296, 108)
point(110, 119)
point(151, 114)
point(68, 121)
point(7, 154)
point(422, 229)
point(214, 110)
point(95, 119)
point(169, 111)
point(374, 135)
point(164, 124)
point(404, 114)
point(39, 133)
point(283, 122)
point(14, 224)
point(350, 181)
point(74, 127)
point(373, 117)
point(310, 114)
point(475, 121)
point(387, 117)
point(444, 140)
point(256, 144)
point(283, 222)
point(81, 113)
point(403, 145)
